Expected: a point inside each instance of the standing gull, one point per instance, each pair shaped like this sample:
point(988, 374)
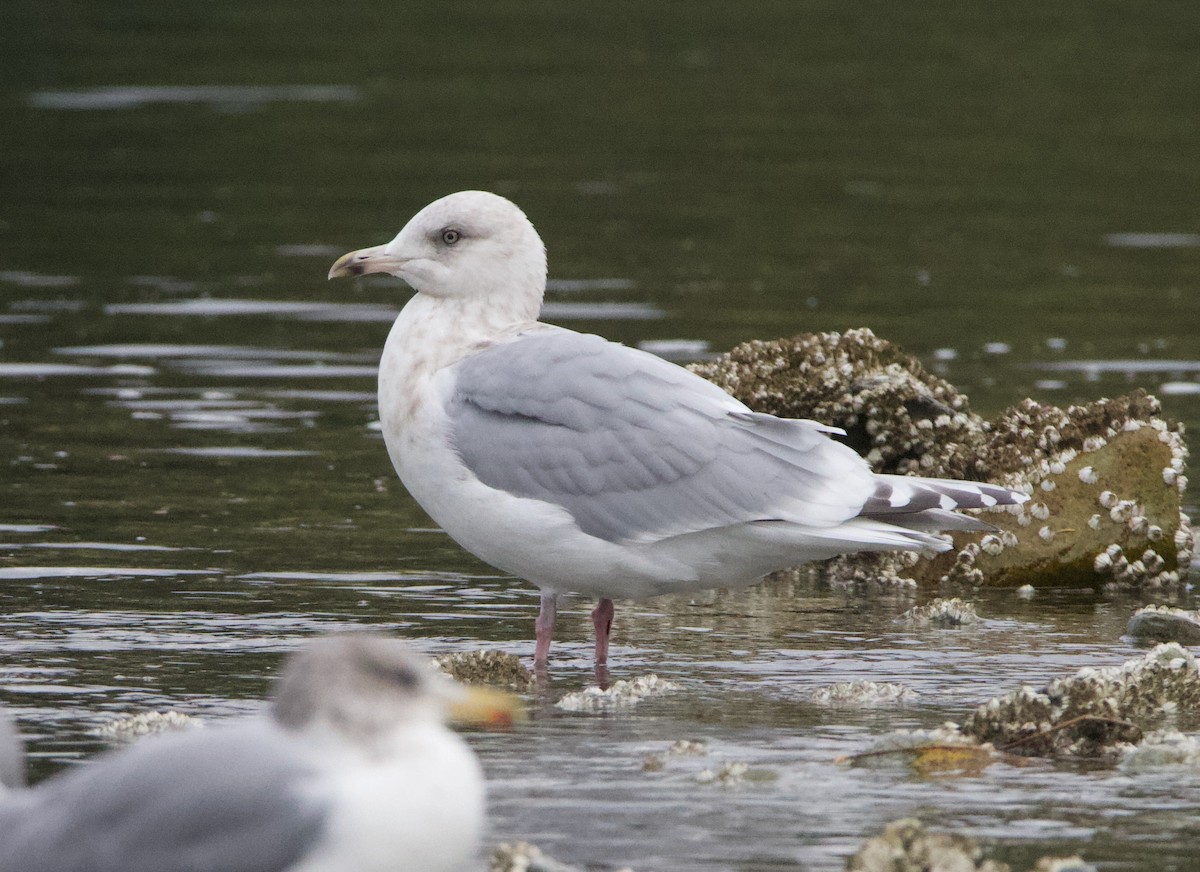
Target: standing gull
point(588, 467)
point(352, 771)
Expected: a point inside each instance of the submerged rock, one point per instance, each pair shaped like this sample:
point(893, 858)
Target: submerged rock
point(525, 857)
point(130, 727)
point(1094, 713)
point(489, 668)
point(1165, 624)
point(1163, 748)
point(953, 612)
point(1106, 478)
point(620, 694)
point(906, 846)
point(863, 693)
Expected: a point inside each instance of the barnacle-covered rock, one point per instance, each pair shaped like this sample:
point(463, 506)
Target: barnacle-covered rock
point(1165, 624)
point(1094, 713)
point(906, 846)
point(1163, 748)
point(1104, 475)
point(525, 857)
point(848, 694)
point(619, 695)
point(127, 728)
point(953, 612)
point(488, 668)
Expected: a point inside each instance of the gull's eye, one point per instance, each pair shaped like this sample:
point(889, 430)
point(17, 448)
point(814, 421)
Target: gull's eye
point(450, 236)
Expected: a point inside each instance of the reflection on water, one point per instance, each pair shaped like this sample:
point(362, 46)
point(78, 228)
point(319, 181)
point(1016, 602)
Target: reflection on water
point(193, 479)
point(218, 96)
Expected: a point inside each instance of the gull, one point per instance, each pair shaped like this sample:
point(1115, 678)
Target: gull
point(12, 754)
point(352, 770)
point(588, 467)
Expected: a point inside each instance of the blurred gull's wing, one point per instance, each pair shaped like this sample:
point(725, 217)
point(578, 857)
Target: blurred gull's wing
point(12, 753)
point(637, 449)
point(235, 799)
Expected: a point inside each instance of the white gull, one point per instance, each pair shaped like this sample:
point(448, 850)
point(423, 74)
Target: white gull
point(351, 770)
point(588, 467)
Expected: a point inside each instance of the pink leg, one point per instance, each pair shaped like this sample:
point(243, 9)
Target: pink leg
point(544, 626)
point(602, 618)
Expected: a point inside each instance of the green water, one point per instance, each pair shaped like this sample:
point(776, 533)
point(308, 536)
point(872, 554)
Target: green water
point(949, 176)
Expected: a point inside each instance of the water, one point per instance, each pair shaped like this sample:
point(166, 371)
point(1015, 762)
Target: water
point(193, 482)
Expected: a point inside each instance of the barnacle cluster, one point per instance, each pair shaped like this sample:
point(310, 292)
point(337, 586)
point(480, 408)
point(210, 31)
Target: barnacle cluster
point(620, 694)
point(952, 612)
point(845, 694)
point(1094, 713)
point(1105, 479)
point(906, 845)
point(490, 668)
point(129, 727)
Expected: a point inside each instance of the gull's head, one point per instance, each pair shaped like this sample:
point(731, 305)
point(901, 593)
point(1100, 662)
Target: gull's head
point(469, 244)
point(364, 687)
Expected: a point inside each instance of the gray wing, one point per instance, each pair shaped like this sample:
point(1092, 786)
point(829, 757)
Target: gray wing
point(215, 800)
point(12, 753)
point(638, 449)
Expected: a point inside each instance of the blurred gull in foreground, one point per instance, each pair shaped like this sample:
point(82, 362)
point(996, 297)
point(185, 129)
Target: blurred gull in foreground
point(351, 771)
point(12, 754)
point(585, 466)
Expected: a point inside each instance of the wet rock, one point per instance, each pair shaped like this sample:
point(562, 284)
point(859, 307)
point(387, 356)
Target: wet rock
point(1163, 748)
point(1165, 624)
point(1105, 475)
point(620, 694)
point(1026, 591)
point(488, 668)
point(678, 748)
point(953, 612)
point(1094, 713)
point(127, 728)
point(728, 774)
point(906, 846)
point(525, 857)
point(863, 693)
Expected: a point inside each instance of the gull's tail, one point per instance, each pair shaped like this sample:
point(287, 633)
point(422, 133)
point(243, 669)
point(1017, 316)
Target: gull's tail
point(932, 504)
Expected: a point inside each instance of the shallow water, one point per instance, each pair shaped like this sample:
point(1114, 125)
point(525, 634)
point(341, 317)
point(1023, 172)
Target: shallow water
point(193, 482)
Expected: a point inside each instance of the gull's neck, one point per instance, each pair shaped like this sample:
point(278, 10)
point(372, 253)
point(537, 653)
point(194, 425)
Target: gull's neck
point(432, 333)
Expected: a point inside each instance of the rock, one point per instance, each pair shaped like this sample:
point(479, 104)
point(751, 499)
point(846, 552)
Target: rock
point(620, 694)
point(1165, 624)
point(1063, 864)
point(906, 846)
point(863, 693)
point(939, 612)
point(525, 857)
point(1103, 476)
point(1094, 713)
point(1163, 748)
point(728, 774)
point(488, 668)
point(130, 727)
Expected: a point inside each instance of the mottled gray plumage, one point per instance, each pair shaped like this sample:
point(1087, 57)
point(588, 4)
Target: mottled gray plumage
point(638, 449)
